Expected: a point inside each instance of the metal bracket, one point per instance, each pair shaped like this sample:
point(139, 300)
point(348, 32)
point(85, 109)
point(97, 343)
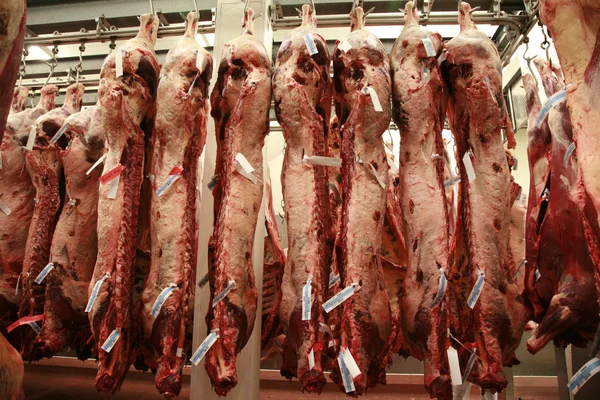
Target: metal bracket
point(102, 24)
point(496, 8)
point(161, 18)
point(427, 7)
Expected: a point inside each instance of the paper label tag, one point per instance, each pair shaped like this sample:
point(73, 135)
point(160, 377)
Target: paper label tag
point(452, 181)
point(488, 85)
point(60, 132)
point(100, 161)
point(18, 284)
point(325, 329)
point(174, 175)
point(310, 45)
point(179, 352)
point(24, 321)
point(476, 291)
point(206, 344)
point(5, 209)
point(311, 359)
point(584, 374)
point(199, 61)
point(333, 279)
point(110, 341)
point(325, 161)
point(119, 63)
point(554, 100)
point(429, 49)
point(339, 298)
point(374, 99)
point(203, 281)
point(455, 374)
point(114, 187)
point(523, 262)
point(224, 293)
point(35, 327)
point(537, 275)
point(346, 378)
point(95, 292)
point(112, 174)
point(470, 365)
point(162, 297)
point(443, 283)
point(306, 299)
point(425, 76)
point(213, 182)
point(40, 278)
point(189, 92)
point(344, 46)
point(469, 166)
point(244, 168)
point(31, 138)
point(596, 345)
point(442, 58)
point(350, 363)
point(374, 172)
point(570, 150)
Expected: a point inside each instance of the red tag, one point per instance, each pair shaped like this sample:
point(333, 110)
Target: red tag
point(24, 321)
point(112, 174)
point(177, 170)
point(318, 346)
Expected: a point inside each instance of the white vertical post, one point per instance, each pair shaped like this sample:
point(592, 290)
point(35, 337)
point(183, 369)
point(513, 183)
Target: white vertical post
point(228, 26)
point(562, 371)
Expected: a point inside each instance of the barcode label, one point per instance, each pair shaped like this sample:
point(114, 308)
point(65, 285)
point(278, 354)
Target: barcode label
point(173, 176)
point(346, 378)
point(40, 278)
point(554, 100)
point(114, 187)
point(333, 279)
point(476, 291)
point(339, 298)
point(584, 374)
point(24, 321)
point(35, 327)
point(208, 342)
point(203, 281)
point(162, 297)
point(470, 365)
point(95, 292)
point(429, 49)
point(110, 341)
point(570, 150)
point(224, 293)
point(311, 360)
point(306, 299)
point(310, 45)
point(350, 363)
point(452, 181)
point(443, 283)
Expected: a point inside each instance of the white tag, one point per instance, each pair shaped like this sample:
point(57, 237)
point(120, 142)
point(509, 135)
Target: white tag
point(523, 262)
point(95, 291)
point(100, 161)
point(40, 278)
point(374, 99)
point(487, 84)
point(350, 363)
point(346, 378)
point(199, 61)
point(203, 281)
point(454, 366)
point(179, 352)
point(425, 76)
point(35, 327)
point(537, 275)
point(339, 298)
point(114, 186)
point(554, 100)
point(31, 139)
point(311, 360)
point(443, 283)
point(306, 299)
point(174, 175)
point(119, 63)
point(442, 58)
point(470, 365)
point(584, 374)
point(110, 341)
point(5, 209)
point(452, 181)
point(208, 342)
point(429, 49)
point(568, 154)
point(162, 297)
point(224, 293)
point(326, 329)
point(333, 279)
point(244, 168)
point(18, 284)
point(325, 161)
point(469, 166)
point(310, 45)
point(374, 171)
point(213, 182)
point(344, 46)
point(58, 134)
point(476, 291)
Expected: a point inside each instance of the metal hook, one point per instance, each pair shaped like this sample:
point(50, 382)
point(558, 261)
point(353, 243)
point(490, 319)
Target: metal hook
point(246, 6)
point(152, 7)
point(196, 9)
point(79, 66)
point(529, 60)
point(545, 45)
point(369, 12)
point(475, 9)
point(312, 4)
point(53, 64)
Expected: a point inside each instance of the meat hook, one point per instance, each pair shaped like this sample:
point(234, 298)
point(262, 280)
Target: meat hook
point(545, 45)
point(196, 9)
point(152, 7)
point(79, 66)
point(53, 64)
point(529, 60)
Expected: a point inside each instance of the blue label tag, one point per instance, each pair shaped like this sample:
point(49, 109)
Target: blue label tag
point(452, 181)
point(213, 182)
point(470, 364)
point(40, 278)
point(110, 341)
point(35, 327)
point(443, 283)
point(165, 186)
point(310, 45)
point(224, 293)
point(162, 297)
point(333, 279)
point(429, 49)
point(584, 374)
point(570, 150)
point(346, 378)
point(555, 99)
point(339, 298)
point(474, 296)
point(95, 291)
point(204, 347)
point(306, 299)
point(203, 281)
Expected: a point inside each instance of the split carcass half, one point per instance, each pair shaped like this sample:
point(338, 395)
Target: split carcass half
point(302, 91)
point(240, 107)
point(19, 100)
point(128, 81)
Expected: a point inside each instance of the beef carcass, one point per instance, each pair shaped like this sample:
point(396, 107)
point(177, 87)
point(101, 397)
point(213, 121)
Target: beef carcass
point(566, 281)
point(74, 244)
point(481, 245)
point(362, 92)
point(419, 112)
point(126, 104)
point(179, 137)
point(240, 107)
point(17, 194)
point(575, 30)
point(11, 372)
point(274, 263)
point(13, 14)
point(19, 99)
point(46, 171)
point(302, 92)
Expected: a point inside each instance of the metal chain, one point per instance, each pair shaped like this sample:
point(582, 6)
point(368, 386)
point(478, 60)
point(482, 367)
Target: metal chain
point(79, 66)
point(53, 64)
point(545, 45)
point(23, 67)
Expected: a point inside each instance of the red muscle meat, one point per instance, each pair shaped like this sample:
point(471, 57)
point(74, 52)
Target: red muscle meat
point(17, 193)
point(179, 137)
point(302, 91)
point(482, 243)
point(46, 171)
point(19, 100)
point(13, 14)
point(74, 244)
point(362, 79)
point(240, 107)
point(419, 114)
point(126, 104)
